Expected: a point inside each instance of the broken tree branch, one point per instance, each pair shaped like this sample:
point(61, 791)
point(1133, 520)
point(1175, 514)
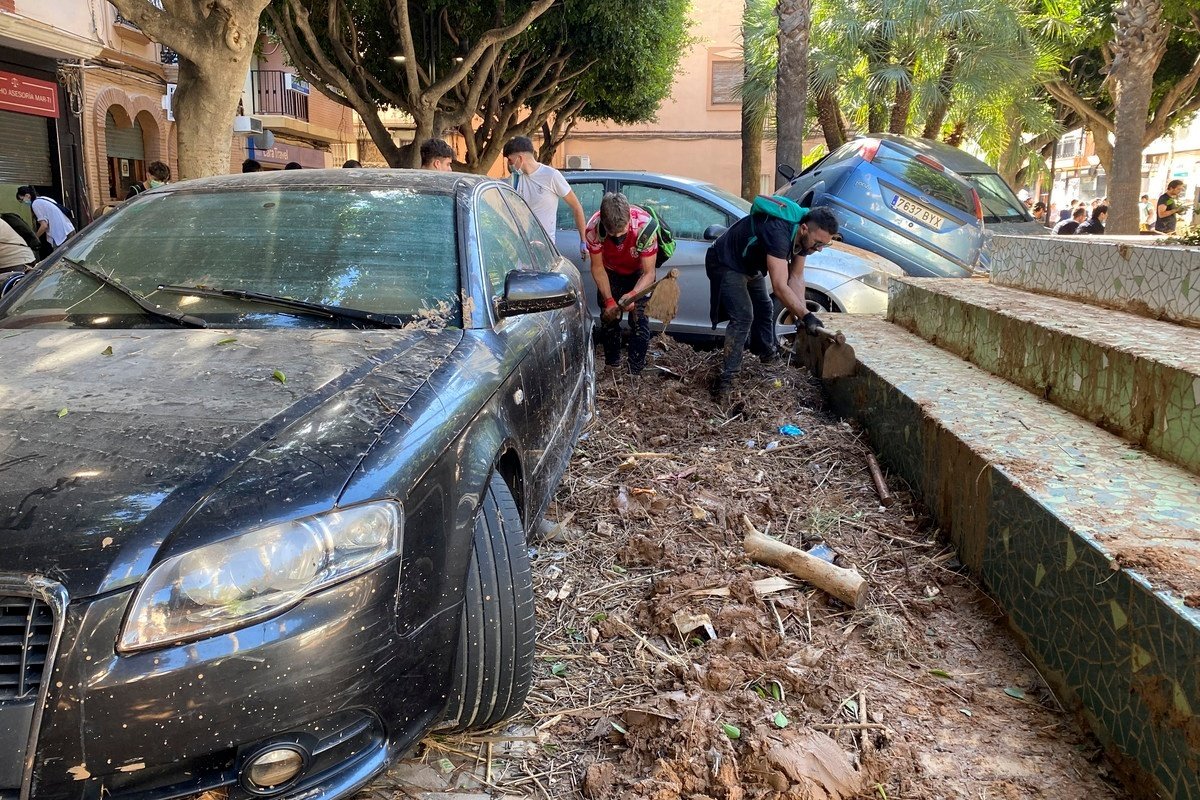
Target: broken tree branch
point(844, 584)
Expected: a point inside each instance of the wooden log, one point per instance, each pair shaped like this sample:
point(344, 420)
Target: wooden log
point(885, 497)
point(844, 584)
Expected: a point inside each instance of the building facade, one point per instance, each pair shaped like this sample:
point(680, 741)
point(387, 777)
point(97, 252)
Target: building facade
point(698, 130)
point(305, 126)
point(41, 136)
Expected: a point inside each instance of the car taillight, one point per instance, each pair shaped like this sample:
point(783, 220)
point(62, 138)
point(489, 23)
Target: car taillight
point(978, 205)
point(931, 162)
point(868, 149)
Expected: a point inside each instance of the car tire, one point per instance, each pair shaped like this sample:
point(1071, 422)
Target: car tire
point(494, 664)
point(784, 317)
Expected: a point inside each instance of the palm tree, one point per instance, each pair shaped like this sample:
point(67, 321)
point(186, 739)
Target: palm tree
point(760, 62)
point(791, 83)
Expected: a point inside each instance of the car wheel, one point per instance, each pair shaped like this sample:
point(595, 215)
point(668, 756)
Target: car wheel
point(494, 664)
point(811, 297)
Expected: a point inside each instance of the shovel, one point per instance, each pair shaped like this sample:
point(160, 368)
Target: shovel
point(826, 355)
point(663, 304)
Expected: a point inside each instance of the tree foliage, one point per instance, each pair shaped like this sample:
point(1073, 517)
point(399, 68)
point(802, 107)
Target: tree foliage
point(489, 70)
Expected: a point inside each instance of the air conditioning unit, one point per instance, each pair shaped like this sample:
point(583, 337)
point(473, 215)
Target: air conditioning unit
point(579, 162)
point(247, 126)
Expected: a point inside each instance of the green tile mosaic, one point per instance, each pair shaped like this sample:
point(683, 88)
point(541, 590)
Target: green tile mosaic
point(1088, 543)
point(1133, 376)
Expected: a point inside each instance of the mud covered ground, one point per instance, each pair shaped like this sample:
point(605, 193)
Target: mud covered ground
point(779, 691)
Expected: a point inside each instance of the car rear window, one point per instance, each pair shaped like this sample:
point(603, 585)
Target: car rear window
point(1000, 204)
point(943, 186)
point(386, 250)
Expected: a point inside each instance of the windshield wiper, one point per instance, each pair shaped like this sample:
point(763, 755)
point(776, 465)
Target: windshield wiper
point(303, 306)
point(186, 320)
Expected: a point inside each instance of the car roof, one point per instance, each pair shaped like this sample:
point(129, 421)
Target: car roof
point(423, 180)
point(633, 173)
point(948, 156)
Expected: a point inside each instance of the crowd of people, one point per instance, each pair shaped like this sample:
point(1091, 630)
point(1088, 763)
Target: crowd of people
point(1083, 218)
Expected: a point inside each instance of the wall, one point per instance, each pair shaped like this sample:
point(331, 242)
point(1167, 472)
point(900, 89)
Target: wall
point(691, 137)
point(1159, 282)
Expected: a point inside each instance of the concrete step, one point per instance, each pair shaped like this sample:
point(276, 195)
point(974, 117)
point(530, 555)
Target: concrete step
point(1136, 377)
point(1091, 546)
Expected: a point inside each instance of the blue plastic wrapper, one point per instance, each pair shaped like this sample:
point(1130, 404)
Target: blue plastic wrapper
point(790, 430)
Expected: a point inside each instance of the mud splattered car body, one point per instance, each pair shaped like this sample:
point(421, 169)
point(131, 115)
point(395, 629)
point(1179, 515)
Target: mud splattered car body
point(258, 547)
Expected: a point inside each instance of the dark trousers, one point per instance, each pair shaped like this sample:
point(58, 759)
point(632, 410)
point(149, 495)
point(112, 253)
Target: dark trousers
point(639, 324)
point(748, 304)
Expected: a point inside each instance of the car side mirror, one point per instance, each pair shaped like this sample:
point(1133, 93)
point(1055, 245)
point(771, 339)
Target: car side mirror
point(713, 232)
point(786, 172)
point(528, 292)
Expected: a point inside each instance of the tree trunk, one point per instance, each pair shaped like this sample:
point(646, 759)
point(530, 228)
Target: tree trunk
point(937, 114)
point(956, 136)
point(831, 122)
point(791, 86)
point(215, 41)
point(752, 140)
point(204, 104)
point(900, 107)
point(1138, 46)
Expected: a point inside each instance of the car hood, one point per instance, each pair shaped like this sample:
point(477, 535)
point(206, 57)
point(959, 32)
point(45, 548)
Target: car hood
point(850, 261)
point(118, 446)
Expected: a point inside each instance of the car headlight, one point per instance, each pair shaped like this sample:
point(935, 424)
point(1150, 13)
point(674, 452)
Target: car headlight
point(876, 280)
point(235, 582)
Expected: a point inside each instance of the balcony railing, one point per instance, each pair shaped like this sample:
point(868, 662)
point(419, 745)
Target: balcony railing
point(273, 93)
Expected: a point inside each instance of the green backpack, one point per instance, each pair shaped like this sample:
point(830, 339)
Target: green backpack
point(657, 227)
point(774, 206)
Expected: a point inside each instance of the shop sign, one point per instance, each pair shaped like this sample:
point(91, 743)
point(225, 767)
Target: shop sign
point(28, 95)
point(281, 153)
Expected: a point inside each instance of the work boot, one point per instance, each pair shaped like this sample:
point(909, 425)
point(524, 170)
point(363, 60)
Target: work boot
point(721, 390)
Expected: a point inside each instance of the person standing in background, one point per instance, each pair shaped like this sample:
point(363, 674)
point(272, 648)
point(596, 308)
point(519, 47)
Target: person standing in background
point(542, 186)
point(1168, 207)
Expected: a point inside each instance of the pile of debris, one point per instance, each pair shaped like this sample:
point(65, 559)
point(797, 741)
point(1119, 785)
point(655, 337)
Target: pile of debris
point(673, 662)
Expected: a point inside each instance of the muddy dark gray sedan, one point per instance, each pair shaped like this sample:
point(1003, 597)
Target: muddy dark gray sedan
point(269, 449)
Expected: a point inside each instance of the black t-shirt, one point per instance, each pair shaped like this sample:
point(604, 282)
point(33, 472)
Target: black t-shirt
point(1165, 224)
point(1066, 227)
point(1092, 226)
point(774, 238)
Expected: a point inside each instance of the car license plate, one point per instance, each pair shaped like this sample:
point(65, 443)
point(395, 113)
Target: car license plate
point(918, 212)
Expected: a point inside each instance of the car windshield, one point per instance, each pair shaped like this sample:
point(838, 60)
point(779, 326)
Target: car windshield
point(1000, 204)
point(391, 252)
point(935, 183)
point(728, 197)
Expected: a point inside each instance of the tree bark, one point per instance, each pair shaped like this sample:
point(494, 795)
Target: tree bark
point(215, 42)
point(957, 134)
point(937, 114)
point(791, 87)
point(1138, 46)
point(752, 140)
point(830, 118)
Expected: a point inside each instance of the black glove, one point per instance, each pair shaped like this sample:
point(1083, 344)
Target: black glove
point(811, 322)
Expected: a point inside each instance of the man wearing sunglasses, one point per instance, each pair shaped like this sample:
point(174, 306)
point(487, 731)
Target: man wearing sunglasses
point(756, 248)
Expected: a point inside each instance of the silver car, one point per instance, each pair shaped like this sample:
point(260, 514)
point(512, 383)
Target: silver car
point(839, 278)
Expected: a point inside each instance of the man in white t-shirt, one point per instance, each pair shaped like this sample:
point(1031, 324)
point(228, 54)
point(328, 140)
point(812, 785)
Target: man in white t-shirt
point(51, 221)
point(542, 186)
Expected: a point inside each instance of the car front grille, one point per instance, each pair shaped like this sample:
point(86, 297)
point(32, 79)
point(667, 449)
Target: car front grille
point(26, 627)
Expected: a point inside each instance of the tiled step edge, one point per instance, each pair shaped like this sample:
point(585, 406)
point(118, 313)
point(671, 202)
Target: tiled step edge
point(1018, 501)
point(1119, 371)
